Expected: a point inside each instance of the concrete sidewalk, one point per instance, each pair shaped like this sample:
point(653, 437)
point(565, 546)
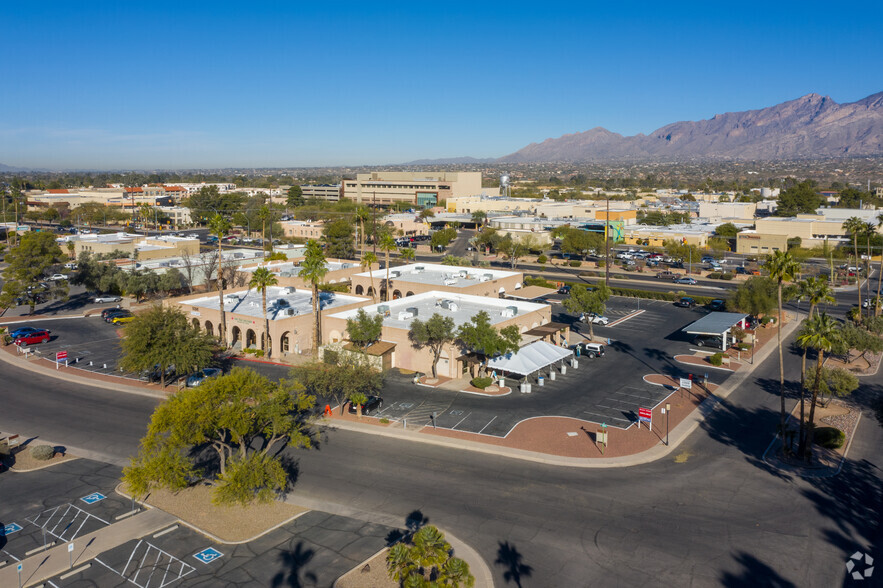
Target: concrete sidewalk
point(57, 560)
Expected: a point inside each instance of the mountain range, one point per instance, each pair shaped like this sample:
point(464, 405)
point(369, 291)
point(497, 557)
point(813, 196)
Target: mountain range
point(809, 127)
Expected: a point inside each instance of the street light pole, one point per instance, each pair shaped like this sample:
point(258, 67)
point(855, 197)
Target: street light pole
point(667, 410)
point(607, 243)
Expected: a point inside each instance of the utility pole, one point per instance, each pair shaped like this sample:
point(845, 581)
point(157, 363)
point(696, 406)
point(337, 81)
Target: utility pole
point(607, 243)
point(374, 209)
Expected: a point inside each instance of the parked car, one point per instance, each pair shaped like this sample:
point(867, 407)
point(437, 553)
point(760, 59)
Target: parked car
point(565, 289)
point(708, 341)
point(590, 350)
point(58, 277)
point(686, 280)
point(201, 376)
point(22, 331)
point(108, 311)
point(717, 305)
point(120, 312)
point(71, 266)
point(870, 302)
point(121, 319)
point(596, 319)
point(33, 338)
point(751, 323)
point(686, 302)
point(101, 298)
point(154, 373)
point(741, 270)
point(373, 404)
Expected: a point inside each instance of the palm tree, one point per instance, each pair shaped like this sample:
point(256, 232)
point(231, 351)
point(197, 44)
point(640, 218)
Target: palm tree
point(363, 215)
point(387, 244)
point(264, 214)
point(219, 227)
point(869, 230)
point(313, 270)
point(879, 274)
point(407, 254)
point(822, 333)
point(70, 249)
point(368, 260)
point(854, 226)
point(260, 279)
point(816, 291)
point(782, 268)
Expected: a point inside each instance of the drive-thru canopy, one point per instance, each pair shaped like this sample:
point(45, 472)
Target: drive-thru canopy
point(530, 358)
point(717, 324)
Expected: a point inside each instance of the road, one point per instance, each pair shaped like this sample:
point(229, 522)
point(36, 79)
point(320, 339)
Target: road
point(714, 515)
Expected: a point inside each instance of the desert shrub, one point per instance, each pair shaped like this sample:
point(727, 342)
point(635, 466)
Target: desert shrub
point(767, 320)
point(532, 281)
point(829, 437)
point(727, 276)
point(7, 339)
point(482, 382)
point(602, 262)
point(384, 421)
point(259, 353)
point(714, 276)
point(542, 259)
point(42, 452)
point(331, 357)
point(574, 263)
point(717, 359)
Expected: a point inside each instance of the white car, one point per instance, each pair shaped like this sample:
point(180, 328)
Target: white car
point(107, 298)
point(58, 277)
point(596, 319)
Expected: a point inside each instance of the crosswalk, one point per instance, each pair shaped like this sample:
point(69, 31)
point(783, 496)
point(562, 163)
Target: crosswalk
point(149, 566)
point(67, 522)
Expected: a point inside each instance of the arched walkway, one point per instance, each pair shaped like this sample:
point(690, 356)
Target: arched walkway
point(285, 342)
point(237, 336)
point(370, 291)
point(396, 294)
point(359, 290)
point(250, 338)
point(195, 323)
point(409, 294)
point(209, 328)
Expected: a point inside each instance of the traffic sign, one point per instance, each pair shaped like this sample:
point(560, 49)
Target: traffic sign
point(645, 414)
point(686, 383)
point(60, 355)
point(70, 547)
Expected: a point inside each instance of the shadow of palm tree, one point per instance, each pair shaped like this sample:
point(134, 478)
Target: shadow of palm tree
point(292, 573)
point(754, 573)
point(514, 569)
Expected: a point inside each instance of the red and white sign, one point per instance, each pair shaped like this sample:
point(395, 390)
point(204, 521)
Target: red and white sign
point(60, 355)
point(645, 413)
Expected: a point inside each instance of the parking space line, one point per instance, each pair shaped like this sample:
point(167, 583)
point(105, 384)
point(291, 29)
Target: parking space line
point(633, 314)
point(460, 421)
point(488, 423)
point(607, 417)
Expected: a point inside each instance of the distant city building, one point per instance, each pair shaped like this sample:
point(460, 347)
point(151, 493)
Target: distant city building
point(303, 229)
point(326, 192)
point(421, 189)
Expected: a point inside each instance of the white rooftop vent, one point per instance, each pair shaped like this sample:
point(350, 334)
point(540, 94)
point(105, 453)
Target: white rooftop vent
point(462, 273)
point(419, 269)
point(450, 281)
point(405, 315)
point(253, 303)
point(486, 277)
point(288, 290)
point(449, 305)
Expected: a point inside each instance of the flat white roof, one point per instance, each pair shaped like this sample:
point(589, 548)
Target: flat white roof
point(249, 302)
point(439, 275)
point(464, 307)
point(293, 268)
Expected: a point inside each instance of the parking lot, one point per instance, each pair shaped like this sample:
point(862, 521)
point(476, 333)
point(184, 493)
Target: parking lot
point(69, 500)
point(607, 390)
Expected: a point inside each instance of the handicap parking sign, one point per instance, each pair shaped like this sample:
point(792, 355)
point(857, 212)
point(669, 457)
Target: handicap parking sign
point(10, 529)
point(208, 555)
point(93, 498)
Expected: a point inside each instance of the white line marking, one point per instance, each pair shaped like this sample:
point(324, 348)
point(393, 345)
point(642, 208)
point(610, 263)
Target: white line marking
point(460, 421)
point(633, 314)
point(488, 423)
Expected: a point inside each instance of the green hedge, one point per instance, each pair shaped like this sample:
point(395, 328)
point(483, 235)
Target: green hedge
point(482, 382)
point(829, 437)
point(717, 359)
point(532, 281)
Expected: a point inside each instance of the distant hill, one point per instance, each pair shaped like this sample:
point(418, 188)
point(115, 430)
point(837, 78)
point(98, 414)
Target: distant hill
point(450, 161)
point(809, 127)
point(9, 168)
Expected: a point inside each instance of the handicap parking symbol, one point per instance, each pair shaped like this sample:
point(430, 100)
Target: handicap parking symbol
point(10, 529)
point(93, 498)
point(208, 555)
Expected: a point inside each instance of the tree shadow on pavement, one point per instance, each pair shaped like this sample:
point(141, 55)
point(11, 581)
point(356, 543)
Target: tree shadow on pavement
point(414, 521)
point(753, 573)
point(292, 573)
point(514, 569)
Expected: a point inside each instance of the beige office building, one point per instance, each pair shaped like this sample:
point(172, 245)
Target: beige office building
point(754, 243)
point(812, 229)
point(145, 247)
point(423, 189)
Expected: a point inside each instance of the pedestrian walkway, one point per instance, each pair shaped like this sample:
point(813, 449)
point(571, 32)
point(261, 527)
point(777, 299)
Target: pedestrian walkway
point(83, 549)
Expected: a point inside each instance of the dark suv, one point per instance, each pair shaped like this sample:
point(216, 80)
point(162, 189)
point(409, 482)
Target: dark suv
point(708, 341)
point(686, 302)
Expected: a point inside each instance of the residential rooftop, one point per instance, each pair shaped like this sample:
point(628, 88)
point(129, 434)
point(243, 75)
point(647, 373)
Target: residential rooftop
point(295, 302)
point(399, 313)
point(439, 275)
point(288, 269)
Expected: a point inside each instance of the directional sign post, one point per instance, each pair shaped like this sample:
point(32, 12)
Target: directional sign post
point(686, 383)
point(59, 356)
point(70, 554)
point(18, 568)
point(646, 415)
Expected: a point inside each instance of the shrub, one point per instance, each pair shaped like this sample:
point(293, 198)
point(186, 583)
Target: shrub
point(602, 262)
point(542, 259)
point(7, 339)
point(482, 382)
point(767, 320)
point(532, 281)
point(714, 276)
point(717, 359)
point(574, 263)
point(829, 437)
point(259, 353)
point(727, 276)
point(43, 452)
point(384, 421)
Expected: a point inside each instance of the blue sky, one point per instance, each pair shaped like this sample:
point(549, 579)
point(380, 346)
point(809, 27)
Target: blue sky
point(109, 85)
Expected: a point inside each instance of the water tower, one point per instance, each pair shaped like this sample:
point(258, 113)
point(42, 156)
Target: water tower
point(504, 185)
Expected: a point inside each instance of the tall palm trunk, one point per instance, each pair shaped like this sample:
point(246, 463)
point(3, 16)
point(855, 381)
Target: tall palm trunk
point(387, 276)
point(361, 235)
point(781, 366)
point(221, 295)
point(858, 278)
point(266, 343)
point(812, 307)
point(805, 448)
point(316, 310)
point(373, 291)
point(868, 272)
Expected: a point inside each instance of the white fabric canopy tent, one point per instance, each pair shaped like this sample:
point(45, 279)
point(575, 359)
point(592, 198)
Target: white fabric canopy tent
point(530, 358)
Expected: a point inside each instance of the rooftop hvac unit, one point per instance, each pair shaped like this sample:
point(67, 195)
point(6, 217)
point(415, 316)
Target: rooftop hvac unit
point(449, 305)
point(511, 310)
point(164, 264)
point(288, 290)
point(383, 309)
point(450, 281)
point(486, 277)
point(290, 311)
point(462, 273)
point(413, 310)
point(405, 315)
point(231, 296)
point(253, 303)
point(346, 265)
point(418, 269)
point(174, 262)
point(286, 274)
point(395, 274)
